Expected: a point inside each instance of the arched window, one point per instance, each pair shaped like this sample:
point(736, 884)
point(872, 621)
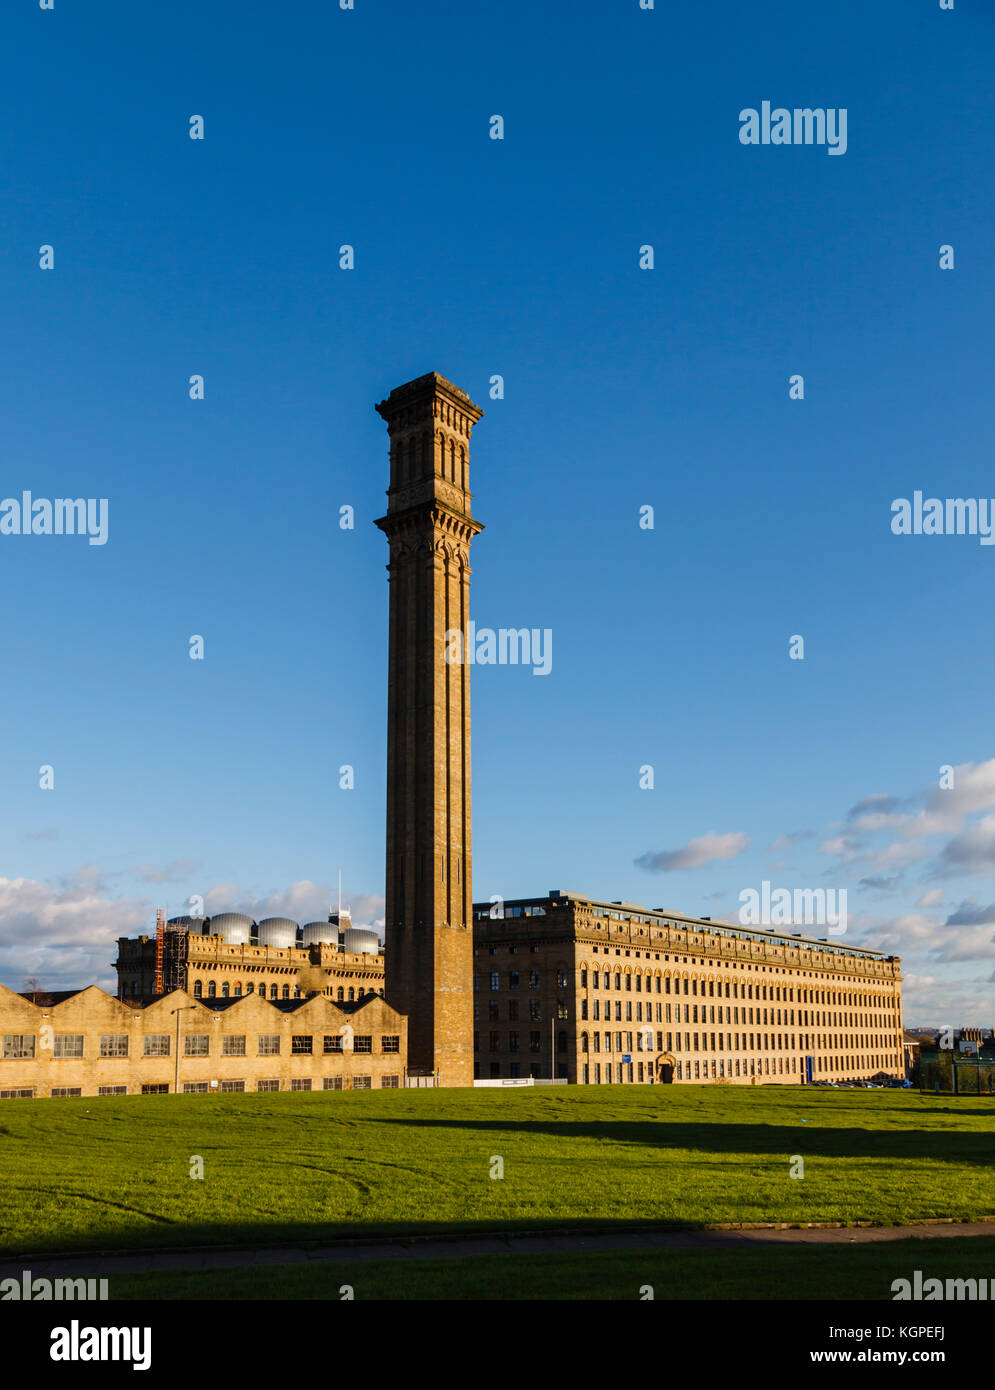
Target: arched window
point(198, 989)
point(212, 990)
point(286, 991)
point(352, 995)
point(583, 1042)
point(340, 994)
point(238, 991)
point(225, 990)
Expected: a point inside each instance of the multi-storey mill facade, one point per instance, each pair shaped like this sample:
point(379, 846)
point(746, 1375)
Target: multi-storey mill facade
point(596, 992)
point(428, 918)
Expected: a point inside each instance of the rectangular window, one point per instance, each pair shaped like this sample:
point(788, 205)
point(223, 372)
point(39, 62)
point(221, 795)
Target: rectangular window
point(513, 1038)
point(534, 1009)
point(197, 1045)
point(513, 1010)
point(17, 1046)
point(513, 979)
point(362, 1083)
point(496, 979)
point(390, 1042)
point(300, 1083)
point(332, 1083)
point(333, 1043)
point(233, 1085)
point(535, 1042)
point(561, 979)
point(233, 1046)
point(114, 1044)
point(157, 1045)
point(493, 1010)
point(195, 1088)
point(269, 1044)
point(112, 1090)
point(561, 1009)
point(66, 1091)
point(301, 1045)
point(389, 1083)
point(362, 1042)
point(155, 1090)
point(68, 1045)
point(533, 979)
point(25, 1093)
point(273, 1085)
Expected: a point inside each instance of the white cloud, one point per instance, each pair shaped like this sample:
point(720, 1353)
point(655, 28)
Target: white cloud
point(931, 898)
point(696, 853)
point(66, 933)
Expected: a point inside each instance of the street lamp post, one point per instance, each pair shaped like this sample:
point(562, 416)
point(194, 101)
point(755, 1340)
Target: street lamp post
point(176, 1072)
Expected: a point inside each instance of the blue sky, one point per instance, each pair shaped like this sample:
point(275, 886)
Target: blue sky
point(623, 387)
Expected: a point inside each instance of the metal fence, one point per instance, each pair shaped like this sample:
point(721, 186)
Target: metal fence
point(943, 1075)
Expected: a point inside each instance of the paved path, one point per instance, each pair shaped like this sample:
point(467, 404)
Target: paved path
point(105, 1264)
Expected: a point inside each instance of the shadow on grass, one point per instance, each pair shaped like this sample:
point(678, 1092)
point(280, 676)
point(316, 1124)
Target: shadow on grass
point(761, 1141)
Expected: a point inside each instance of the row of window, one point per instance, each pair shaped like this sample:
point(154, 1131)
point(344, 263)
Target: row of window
point(329, 1083)
point(228, 991)
point(705, 1042)
point(535, 1010)
point(537, 1041)
point(733, 989)
point(515, 979)
point(21, 1046)
point(706, 1013)
point(297, 1083)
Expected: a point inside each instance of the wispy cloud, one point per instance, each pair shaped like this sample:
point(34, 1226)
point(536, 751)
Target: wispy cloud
point(696, 853)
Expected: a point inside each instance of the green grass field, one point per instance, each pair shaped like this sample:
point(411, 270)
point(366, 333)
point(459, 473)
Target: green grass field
point(115, 1173)
point(774, 1272)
